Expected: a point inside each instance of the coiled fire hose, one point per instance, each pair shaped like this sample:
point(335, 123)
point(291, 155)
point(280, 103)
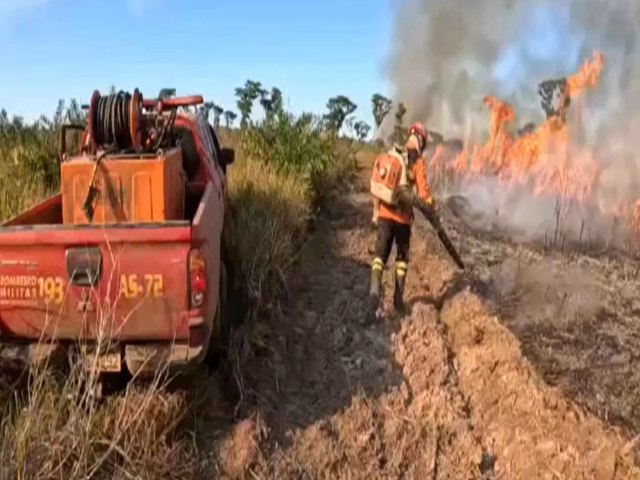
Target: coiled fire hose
point(112, 118)
point(114, 124)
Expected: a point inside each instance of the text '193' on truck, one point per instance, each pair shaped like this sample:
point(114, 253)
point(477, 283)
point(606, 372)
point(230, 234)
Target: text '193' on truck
point(129, 253)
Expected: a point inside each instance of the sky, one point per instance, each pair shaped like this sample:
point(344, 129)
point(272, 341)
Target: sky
point(310, 49)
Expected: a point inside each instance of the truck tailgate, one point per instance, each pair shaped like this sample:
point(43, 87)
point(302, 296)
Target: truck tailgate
point(128, 282)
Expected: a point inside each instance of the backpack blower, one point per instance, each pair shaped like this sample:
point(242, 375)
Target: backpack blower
point(386, 185)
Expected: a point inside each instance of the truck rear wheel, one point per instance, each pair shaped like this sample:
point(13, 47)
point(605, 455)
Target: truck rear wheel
point(221, 326)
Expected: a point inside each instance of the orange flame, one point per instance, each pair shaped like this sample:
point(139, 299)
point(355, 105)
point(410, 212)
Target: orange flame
point(544, 160)
point(587, 76)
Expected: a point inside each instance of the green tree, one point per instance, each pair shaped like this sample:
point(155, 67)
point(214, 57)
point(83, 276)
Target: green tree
point(348, 125)
point(266, 103)
point(340, 107)
point(229, 118)
point(247, 95)
point(271, 102)
point(4, 121)
point(362, 129)
point(206, 109)
point(166, 93)
point(276, 101)
point(381, 107)
point(217, 113)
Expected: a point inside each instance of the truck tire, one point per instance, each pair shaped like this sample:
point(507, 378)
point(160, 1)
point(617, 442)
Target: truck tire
point(222, 315)
point(221, 326)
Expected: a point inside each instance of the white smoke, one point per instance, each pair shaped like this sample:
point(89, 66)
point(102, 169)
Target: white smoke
point(448, 54)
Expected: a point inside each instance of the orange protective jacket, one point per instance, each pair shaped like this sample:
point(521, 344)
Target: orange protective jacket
point(416, 176)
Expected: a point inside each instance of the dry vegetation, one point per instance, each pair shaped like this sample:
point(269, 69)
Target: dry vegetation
point(55, 427)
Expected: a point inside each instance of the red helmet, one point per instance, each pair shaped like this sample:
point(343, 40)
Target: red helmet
point(418, 129)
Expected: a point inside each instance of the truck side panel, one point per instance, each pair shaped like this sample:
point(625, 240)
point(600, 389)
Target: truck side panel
point(207, 234)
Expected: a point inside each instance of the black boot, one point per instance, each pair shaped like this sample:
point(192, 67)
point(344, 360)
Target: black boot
point(398, 294)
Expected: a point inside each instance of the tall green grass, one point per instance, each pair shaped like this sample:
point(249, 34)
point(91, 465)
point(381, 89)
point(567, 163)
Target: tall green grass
point(295, 146)
point(29, 157)
point(28, 169)
point(267, 222)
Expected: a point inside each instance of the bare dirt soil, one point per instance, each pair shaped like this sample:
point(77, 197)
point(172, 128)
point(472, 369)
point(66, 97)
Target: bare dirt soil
point(521, 367)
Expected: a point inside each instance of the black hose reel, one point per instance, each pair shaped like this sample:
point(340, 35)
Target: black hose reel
point(115, 121)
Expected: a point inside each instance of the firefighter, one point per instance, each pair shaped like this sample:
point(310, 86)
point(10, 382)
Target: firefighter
point(394, 222)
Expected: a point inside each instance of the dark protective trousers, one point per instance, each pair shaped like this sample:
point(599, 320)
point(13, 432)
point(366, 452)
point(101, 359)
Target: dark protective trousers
point(390, 232)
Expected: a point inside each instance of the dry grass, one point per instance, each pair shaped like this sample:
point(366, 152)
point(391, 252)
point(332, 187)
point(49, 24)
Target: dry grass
point(29, 158)
point(268, 220)
point(62, 431)
point(56, 426)
point(19, 187)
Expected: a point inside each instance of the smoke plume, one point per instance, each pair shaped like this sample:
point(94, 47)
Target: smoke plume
point(448, 54)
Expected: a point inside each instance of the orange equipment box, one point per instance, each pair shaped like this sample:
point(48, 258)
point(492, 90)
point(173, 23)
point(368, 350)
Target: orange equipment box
point(130, 189)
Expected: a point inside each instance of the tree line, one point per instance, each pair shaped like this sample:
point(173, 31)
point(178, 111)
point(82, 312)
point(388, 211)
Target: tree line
point(340, 111)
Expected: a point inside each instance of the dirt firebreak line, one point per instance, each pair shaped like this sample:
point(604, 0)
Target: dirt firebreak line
point(443, 392)
point(528, 429)
point(487, 461)
point(472, 454)
point(524, 428)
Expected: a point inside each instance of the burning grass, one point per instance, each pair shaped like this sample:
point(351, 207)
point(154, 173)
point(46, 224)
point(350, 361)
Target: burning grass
point(543, 183)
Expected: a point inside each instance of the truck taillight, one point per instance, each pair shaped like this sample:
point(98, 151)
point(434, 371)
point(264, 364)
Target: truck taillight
point(197, 278)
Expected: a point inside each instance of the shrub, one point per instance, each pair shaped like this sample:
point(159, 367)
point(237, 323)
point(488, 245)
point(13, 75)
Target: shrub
point(294, 146)
point(286, 166)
